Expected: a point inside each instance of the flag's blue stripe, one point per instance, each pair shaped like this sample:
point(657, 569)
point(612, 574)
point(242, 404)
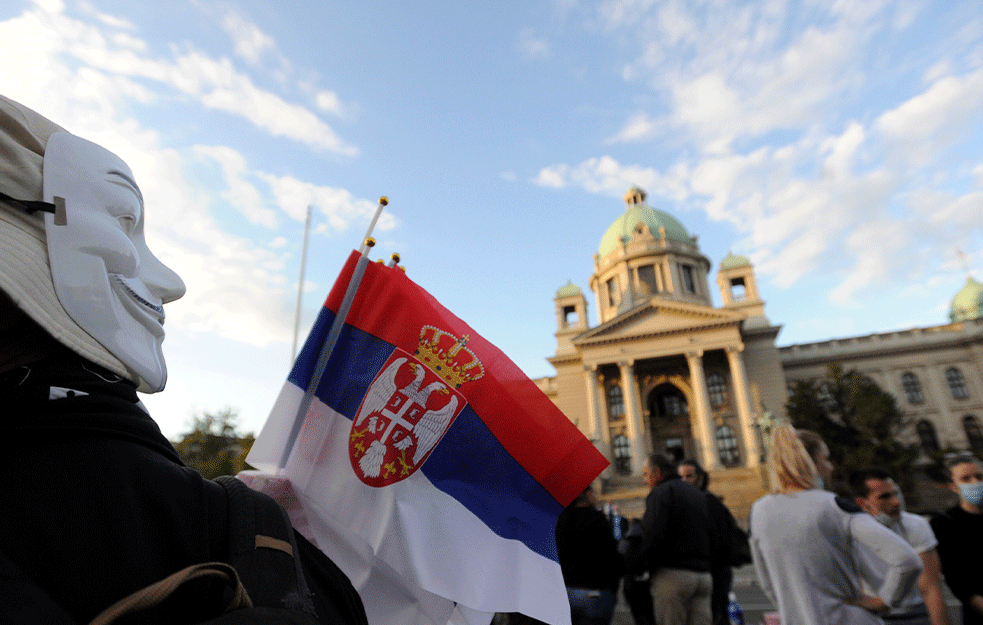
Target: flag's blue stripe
point(500, 492)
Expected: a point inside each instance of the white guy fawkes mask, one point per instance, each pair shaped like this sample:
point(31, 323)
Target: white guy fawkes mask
point(105, 277)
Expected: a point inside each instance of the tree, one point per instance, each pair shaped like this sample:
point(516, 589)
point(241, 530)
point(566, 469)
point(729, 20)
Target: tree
point(214, 446)
point(860, 423)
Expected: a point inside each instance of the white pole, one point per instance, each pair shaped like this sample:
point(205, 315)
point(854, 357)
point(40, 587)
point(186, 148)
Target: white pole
point(300, 284)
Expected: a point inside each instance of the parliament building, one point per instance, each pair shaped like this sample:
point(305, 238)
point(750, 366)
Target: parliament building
point(666, 370)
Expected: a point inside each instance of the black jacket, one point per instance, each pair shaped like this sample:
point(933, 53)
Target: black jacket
point(676, 527)
point(960, 536)
point(96, 502)
point(587, 550)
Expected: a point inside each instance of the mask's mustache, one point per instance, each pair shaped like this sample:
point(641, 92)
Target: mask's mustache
point(154, 307)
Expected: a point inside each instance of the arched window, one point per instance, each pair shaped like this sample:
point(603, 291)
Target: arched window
point(616, 402)
point(957, 384)
point(974, 433)
point(927, 436)
point(622, 454)
point(717, 389)
point(912, 388)
point(730, 455)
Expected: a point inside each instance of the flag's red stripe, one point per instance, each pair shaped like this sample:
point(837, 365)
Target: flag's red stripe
point(533, 430)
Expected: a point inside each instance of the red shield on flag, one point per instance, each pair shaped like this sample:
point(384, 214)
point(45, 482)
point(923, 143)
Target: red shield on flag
point(404, 414)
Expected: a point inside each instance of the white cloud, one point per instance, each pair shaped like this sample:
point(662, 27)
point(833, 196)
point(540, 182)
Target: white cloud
point(329, 102)
point(842, 150)
point(553, 176)
point(338, 206)
point(241, 194)
point(250, 42)
point(638, 128)
point(926, 123)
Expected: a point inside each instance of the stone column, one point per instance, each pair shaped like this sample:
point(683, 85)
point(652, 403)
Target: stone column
point(745, 412)
point(633, 416)
point(593, 416)
point(708, 448)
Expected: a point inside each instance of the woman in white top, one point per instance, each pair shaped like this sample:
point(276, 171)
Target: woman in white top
point(802, 542)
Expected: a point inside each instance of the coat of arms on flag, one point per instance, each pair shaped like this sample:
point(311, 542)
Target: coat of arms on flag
point(409, 406)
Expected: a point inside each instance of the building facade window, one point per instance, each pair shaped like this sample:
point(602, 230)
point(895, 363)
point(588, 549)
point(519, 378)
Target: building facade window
point(622, 454)
point(974, 433)
point(612, 289)
point(912, 388)
point(616, 402)
point(727, 447)
point(689, 282)
point(927, 436)
point(646, 280)
point(957, 384)
point(717, 389)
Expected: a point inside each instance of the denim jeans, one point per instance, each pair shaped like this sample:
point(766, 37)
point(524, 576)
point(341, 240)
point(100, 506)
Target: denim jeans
point(589, 606)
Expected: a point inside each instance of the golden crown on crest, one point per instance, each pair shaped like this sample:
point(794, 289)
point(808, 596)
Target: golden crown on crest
point(448, 356)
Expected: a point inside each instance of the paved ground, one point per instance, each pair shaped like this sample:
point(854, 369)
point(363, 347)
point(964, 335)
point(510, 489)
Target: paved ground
point(754, 602)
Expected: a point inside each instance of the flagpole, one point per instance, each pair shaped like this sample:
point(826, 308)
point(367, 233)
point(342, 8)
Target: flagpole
point(300, 283)
point(332, 339)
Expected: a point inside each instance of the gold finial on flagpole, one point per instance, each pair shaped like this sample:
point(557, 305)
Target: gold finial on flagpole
point(369, 242)
point(383, 201)
point(394, 259)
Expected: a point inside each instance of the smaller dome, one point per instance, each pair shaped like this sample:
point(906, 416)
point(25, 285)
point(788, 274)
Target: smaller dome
point(967, 305)
point(568, 289)
point(733, 261)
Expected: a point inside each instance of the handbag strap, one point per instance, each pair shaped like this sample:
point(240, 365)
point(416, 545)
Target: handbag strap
point(157, 592)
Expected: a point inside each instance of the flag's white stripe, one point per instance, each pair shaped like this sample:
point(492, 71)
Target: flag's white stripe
point(412, 526)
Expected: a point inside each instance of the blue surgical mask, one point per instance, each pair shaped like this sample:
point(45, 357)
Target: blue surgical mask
point(971, 493)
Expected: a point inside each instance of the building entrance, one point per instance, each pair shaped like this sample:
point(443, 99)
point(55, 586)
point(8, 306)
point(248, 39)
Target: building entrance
point(669, 421)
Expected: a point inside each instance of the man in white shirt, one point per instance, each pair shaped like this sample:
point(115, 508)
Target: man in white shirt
point(878, 495)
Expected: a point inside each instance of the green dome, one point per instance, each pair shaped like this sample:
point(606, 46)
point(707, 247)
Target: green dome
point(968, 303)
point(568, 289)
point(624, 226)
point(734, 261)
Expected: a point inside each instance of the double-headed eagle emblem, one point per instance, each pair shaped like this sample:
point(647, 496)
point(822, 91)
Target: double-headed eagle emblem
point(409, 406)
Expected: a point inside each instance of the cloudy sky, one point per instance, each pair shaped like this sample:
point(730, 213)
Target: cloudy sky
point(835, 143)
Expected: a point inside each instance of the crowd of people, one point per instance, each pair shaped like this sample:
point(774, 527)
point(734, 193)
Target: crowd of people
point(821, 559)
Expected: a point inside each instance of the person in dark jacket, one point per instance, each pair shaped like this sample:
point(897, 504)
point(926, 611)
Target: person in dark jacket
point(96, 503)
point(721, 529)
point(959, 531)
point(676, 545)
point(589, 560)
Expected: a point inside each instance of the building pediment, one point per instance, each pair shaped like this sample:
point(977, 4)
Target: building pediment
point(659, 317)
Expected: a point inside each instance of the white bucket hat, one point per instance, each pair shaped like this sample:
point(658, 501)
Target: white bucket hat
point(25, 273)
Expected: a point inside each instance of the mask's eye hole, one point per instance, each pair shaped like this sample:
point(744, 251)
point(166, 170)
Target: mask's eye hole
point(127, 222)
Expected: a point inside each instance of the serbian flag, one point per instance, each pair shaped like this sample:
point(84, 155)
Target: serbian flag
point(427, 466)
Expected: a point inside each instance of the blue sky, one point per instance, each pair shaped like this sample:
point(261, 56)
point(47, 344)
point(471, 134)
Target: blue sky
point(836, 144)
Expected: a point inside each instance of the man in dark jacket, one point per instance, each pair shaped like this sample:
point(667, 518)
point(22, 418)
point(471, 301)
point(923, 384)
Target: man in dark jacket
point(676, 545)
point(96, 503)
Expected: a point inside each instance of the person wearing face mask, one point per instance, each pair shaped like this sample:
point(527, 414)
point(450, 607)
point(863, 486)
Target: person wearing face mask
point(96, 503)
point(802, 542)
point(960, 534)
point(878, 494)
